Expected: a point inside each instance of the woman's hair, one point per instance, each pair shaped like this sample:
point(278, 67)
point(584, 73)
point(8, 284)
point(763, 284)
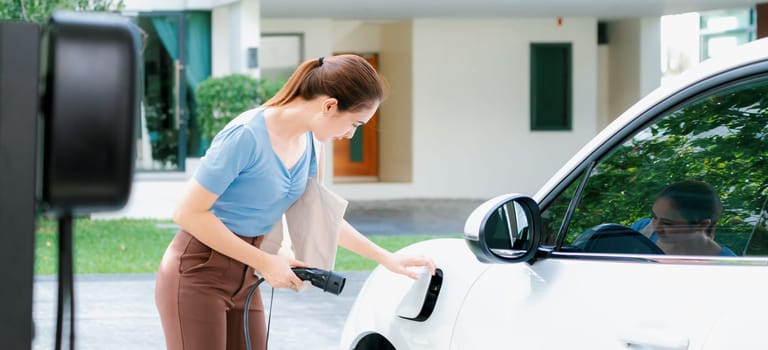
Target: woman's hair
point(350, 79)
point(696, 200)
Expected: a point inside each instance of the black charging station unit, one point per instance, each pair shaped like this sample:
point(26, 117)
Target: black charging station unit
point(69, 103)
point(19, 52)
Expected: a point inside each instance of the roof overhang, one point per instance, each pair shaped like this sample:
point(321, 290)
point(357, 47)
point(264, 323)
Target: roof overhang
point(389, 10)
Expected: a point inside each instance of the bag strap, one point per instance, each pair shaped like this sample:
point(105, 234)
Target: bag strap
point(319, 150)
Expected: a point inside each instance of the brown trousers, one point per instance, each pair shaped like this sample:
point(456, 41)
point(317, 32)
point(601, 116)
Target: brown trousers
point(200, 295)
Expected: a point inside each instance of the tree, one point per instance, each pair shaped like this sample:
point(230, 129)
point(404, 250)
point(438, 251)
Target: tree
point(39, 11)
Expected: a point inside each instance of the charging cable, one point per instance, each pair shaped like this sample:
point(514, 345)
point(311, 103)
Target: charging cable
point(245, 314)
point(328, 281)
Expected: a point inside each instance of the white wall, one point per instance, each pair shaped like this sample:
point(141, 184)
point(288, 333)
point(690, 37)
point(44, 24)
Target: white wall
point(650, 54)
point(318, 33)
point(396, 122)
point(356, 36)
point(220, 41)
point(623, 39)
point(235, 28)
point(635, 61)
point(680, 44)
point(471, 97)
point(604, 116)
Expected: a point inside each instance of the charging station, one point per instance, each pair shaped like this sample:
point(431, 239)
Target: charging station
point(19, 67)
point(69, 101)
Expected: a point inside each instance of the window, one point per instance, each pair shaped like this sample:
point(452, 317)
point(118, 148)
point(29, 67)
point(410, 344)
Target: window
point(551, 86)
point(718, 143)
point(722, 31)
point(280, 54)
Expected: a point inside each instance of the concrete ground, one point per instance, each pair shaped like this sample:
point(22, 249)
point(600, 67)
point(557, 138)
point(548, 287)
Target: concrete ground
point(117, 312)
point(411, 216)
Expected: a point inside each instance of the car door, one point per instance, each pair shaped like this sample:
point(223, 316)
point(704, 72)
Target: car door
point(624, 263)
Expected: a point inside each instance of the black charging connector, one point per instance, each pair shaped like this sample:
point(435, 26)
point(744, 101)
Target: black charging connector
point(328, 281)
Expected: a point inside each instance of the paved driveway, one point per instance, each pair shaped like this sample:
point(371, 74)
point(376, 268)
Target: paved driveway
point(117, 312)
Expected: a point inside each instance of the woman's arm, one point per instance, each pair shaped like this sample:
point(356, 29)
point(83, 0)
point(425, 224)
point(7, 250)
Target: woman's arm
point(193, 215)
point(353, 240)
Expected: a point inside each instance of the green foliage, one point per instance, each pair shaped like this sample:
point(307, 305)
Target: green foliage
point(219, 100)
point(720, 139)
point(39, 11)
point(136, 246)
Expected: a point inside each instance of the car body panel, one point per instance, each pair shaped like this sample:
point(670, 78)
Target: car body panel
point(559, 296)
point(460, 269)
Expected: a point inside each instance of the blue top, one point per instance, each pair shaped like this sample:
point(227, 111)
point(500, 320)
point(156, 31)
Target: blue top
point(254, 186)
point(641, 224)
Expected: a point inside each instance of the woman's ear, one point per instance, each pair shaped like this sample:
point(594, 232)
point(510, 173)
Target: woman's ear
point(330, 105)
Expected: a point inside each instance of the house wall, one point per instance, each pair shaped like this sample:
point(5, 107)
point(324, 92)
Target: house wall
point(466, 104)
point(396, 124)
point(603, 86)
point(634, 61)
point(471, 101)
point(318, 33)
point(356, 36)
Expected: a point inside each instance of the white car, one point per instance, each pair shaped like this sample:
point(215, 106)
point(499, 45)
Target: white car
point(612, 253)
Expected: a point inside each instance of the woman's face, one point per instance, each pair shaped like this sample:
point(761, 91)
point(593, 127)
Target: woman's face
point(670, 224)
point(335, 125)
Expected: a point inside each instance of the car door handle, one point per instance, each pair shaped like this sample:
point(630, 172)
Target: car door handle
point(654, 340)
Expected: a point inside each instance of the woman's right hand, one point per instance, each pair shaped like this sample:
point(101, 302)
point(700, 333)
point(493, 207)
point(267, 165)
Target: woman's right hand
point(277, 271)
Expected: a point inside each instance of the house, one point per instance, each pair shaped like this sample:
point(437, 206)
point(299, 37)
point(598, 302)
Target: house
point(486, 96)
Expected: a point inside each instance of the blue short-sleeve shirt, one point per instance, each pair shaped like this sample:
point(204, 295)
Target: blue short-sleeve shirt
point(254, 186)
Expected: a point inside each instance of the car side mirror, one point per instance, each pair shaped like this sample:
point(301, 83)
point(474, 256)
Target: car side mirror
point(504, 229)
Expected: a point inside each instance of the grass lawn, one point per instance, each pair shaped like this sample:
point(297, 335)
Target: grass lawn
point(136, 246)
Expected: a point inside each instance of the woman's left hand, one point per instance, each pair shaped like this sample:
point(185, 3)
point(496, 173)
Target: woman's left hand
point(399, 263)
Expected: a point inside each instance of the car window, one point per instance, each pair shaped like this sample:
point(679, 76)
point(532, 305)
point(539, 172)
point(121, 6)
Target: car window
point(693, 182)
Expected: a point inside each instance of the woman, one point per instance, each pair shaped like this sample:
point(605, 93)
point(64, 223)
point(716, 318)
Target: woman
point(684, 217)
point(256, 167)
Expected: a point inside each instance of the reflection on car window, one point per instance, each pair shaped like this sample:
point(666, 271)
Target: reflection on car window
point(713, 153)
point(553, 216)
point(684, 219)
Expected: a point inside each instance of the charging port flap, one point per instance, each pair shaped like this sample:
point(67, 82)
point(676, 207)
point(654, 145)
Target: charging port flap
point(419, 302)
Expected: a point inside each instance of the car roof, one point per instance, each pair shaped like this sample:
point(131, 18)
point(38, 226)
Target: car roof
point(746, 54)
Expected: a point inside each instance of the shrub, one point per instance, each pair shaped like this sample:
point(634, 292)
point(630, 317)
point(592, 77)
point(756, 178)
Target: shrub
point(221, 99)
